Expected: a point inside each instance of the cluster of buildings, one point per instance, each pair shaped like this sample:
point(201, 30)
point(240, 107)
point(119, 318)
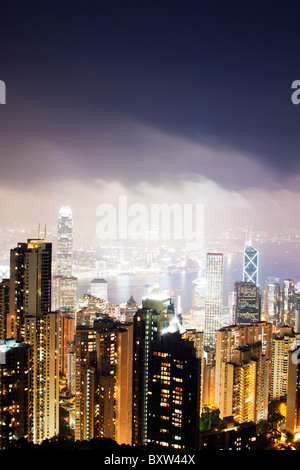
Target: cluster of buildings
point(142, 377)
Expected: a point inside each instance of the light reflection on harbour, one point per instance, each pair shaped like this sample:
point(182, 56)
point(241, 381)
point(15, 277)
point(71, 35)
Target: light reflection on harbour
point(275, 260)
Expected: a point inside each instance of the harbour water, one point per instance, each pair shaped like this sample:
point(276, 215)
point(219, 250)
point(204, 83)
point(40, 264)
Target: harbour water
point(281, 260)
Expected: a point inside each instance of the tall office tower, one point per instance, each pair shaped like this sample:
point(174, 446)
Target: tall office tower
point(30, 320)
point(293, 394)
point(198, 302)
point(174, 391)
point(231, 337)
point(246, 308)
point(65, 293)
point(271, 301)
point(16, 395)
point(250, 266)
point(214, 296)
point(103, 381)
point(288, 305)
point(245, 385)
point(148, 325)
point(66, 338)
point(4, 307)
point(281, 345)
point(99, 289)
point(64, 256)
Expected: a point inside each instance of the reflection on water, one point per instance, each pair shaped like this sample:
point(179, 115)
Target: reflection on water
point(275, 260)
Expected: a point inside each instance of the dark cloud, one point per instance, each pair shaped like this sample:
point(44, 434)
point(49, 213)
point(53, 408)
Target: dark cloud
point(150, 91)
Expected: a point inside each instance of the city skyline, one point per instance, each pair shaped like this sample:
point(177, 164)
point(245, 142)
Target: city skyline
point(157, 143)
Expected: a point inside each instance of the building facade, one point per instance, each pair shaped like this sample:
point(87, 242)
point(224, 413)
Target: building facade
point(64, 254)
point(16, 392)
point(250, 265)
point(245, 385)
point(282, 343)
point(214, 296)
point(31, 321)
point(148, 325)
point(246, 309)
point(103, 384)
point(174, 391)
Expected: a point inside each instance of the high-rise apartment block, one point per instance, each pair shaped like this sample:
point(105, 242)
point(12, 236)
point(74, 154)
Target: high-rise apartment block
point(149, 323)
point(31, 321)
point(231, 337)
point(4, 306)
point(103, 388)
point(30, 285)
point(282, 343)
point(174, 391)
point(66, 338)
point(293, 394)
point(16, 392)
point(245, 385)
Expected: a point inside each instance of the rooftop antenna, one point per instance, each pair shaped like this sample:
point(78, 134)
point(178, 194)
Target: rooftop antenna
point(45, 233)
point(38, 231)
point(248, 240)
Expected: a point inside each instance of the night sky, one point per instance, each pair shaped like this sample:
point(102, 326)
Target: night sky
point(162, 100)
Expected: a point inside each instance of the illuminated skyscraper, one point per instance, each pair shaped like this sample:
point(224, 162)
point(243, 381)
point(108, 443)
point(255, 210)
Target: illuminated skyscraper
point(65, 293)
point(4, 307)
point(174, 390)
point(148, 325)
point(246, 307)
point(288, 314)
point(103, 398)
point(281, 345)
point(214, 296)
point(231, 337)
point(30, 285)
point(271, 301)
point(16, 393)
point(293, 394)
point(66, 338)
point(250, 268)
point(64, 257)
point(245, 385)
point(30, 320)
